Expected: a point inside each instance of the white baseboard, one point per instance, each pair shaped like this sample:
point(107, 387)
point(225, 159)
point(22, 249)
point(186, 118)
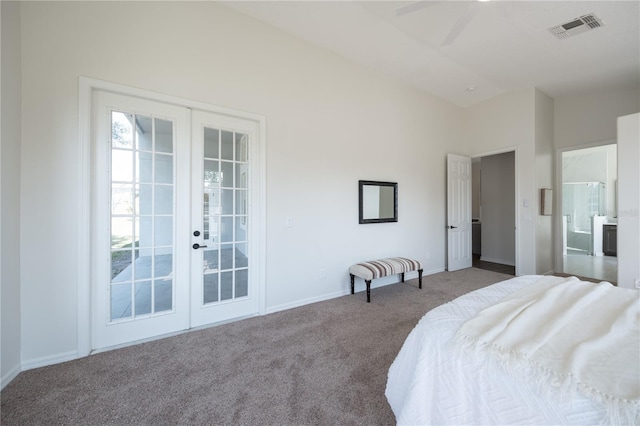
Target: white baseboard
point(35, 363)
point(48, 360)
point(359, 286)
point(11, 374)
point(307, 301)
point(500, 261)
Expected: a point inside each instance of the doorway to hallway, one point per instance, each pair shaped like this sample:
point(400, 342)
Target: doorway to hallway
point(493, 212)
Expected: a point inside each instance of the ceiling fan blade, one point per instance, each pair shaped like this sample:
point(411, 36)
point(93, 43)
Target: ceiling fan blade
point(415, 6)
point(461, 23)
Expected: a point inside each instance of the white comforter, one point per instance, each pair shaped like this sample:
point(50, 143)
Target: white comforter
point(427, 384)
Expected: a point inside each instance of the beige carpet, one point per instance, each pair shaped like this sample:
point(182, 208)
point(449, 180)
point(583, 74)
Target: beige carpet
point(320, 364)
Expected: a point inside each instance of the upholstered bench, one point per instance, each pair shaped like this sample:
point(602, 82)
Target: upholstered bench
point(382, 268)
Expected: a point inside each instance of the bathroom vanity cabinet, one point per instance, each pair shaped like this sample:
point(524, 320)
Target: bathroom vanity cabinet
point(610, 240)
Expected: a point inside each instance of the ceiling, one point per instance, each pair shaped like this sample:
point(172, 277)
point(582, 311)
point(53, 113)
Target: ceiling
point(506, 46)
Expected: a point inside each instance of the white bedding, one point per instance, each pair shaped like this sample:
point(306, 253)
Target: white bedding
point(427, 384)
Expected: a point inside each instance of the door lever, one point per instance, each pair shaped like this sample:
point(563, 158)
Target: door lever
point(196, 246)
point(451, 227)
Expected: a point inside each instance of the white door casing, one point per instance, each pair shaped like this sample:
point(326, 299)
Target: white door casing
point(459, 255)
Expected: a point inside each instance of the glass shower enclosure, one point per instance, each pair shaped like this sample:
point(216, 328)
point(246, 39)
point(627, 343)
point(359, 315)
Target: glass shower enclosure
point(581, 201)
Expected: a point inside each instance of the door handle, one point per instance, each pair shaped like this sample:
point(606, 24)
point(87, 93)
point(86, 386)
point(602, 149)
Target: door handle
point(451, 227)
point(197, 246)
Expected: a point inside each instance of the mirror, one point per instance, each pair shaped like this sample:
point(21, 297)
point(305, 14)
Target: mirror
point(378, 201)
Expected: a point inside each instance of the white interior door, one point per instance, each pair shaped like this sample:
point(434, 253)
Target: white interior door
point(458, 212)
point(141, 273)
point(223, 257)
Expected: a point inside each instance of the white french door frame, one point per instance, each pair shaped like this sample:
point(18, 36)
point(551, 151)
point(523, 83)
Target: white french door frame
point(87, 86)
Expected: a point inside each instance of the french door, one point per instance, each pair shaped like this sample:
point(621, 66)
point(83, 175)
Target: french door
point(222, 254)
point(171, 213)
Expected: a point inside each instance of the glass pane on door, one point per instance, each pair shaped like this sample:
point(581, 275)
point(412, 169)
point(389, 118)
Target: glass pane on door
point(142, 215)
point(225, 220)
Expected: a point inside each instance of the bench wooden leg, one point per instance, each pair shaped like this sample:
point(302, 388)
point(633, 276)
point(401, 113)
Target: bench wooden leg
point(352, 283)
point(419, 278)
point(368, 290)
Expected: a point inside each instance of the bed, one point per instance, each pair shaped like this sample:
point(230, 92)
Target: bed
point(439, 379)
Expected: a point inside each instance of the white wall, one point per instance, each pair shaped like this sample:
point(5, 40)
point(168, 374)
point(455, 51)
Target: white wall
point(588, 119)
point(544, 179)
point(10, 193)
point(497, 183)
point(629, 200)
point(587, 165)
point(329, 123)
point(612, 182)
point(520, 121)
point(502, 124)
point(475, 188)
point(476, 227)
point(597, 164)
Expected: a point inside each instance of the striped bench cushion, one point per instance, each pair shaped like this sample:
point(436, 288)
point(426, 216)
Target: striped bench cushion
point(383, 267)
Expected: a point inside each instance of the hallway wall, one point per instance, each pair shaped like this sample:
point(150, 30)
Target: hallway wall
point(497, 183)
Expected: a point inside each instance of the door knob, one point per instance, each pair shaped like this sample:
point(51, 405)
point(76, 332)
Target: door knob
point(197, 246)
point(196, 233)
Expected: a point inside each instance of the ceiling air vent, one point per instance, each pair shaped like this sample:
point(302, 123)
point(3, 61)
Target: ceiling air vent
point(577, 26)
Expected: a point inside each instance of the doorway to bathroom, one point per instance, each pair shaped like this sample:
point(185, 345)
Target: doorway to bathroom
point(589, 212)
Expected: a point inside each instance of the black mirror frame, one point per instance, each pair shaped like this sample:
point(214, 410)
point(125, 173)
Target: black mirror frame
point(394, 185)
